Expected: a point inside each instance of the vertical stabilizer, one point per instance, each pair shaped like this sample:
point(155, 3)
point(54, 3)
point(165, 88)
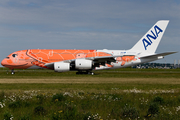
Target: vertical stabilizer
point(150, 41)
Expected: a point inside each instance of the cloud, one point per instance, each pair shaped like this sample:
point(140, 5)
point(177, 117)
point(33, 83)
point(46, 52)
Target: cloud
point(83, 24)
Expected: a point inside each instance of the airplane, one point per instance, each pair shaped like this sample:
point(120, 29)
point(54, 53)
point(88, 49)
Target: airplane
point(84, 61)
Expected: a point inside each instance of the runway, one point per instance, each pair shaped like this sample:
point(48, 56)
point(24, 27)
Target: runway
point(96, 80)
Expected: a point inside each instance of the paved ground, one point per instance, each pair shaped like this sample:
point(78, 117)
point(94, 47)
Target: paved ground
point(96, 80)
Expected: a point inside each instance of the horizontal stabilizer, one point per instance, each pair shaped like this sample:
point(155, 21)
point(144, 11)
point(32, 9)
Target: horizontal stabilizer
point(157, 55)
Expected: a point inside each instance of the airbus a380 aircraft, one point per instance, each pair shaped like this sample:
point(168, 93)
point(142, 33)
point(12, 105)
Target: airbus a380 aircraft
point(87, 60)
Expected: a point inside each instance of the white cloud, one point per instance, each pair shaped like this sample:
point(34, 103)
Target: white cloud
point(115, 24)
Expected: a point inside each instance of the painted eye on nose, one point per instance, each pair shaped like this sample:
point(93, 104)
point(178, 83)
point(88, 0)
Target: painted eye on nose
point(14, 55)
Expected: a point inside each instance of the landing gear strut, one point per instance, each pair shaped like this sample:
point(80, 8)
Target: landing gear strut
point(12, 72)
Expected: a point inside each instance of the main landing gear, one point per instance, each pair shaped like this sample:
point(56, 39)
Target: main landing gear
point(12, 71)
point(86, 72)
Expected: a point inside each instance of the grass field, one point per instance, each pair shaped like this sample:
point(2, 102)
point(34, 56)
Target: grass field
point(109, 94)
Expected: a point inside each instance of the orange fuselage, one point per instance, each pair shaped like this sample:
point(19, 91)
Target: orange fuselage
point(26, 58)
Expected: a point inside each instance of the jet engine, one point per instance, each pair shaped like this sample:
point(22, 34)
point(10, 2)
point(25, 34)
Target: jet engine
point(61, 67)
point(83, 64)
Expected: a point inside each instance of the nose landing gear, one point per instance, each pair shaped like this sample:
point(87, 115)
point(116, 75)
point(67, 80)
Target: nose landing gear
point(12, 71)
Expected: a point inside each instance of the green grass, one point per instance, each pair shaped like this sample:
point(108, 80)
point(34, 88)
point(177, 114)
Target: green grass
point(153, 95)
point(85, 87)
point(81, 105)
point(115, 73)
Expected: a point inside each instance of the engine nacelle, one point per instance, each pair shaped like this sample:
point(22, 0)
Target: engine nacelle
point(83, 64)
point(61, 67)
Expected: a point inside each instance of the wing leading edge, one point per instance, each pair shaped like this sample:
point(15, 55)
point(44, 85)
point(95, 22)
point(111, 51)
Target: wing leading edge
point(94, 59)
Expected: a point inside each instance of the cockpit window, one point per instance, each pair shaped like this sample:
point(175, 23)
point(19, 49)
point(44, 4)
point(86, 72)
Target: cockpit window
point(7, 57)
point(14, 55)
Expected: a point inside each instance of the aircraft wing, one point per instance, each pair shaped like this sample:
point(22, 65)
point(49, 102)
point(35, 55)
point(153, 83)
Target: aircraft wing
point(157, 55)
point(101, 59)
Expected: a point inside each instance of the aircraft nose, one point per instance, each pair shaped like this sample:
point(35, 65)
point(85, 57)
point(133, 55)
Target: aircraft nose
point(3, 62)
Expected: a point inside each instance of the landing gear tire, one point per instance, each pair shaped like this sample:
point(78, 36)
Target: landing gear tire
point(12, 72)
point(87, 72)
point(90, 73)
point(77, 73)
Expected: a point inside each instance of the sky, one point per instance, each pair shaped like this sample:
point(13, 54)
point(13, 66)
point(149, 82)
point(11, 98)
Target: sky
point(86, 24)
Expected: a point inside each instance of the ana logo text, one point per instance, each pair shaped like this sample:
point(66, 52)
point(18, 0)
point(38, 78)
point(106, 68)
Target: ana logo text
point(148, 40)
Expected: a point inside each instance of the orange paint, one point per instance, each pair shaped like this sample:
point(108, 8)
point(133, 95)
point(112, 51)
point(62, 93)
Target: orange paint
point(39, 57)
point(9, 61)
point(125, 59)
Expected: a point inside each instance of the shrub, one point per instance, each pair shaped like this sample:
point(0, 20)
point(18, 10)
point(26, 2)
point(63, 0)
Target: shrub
point(27, 104)
point(58, 97)
point(70, 112)
point(153, 109)
point(1, 95)
point(39, 110)
point(130, 112)
point(41, 98)
point(158, 100)
point(16, 104)
point(57, 116)
point(87, 116)
point(81, 93)
point(7, 116)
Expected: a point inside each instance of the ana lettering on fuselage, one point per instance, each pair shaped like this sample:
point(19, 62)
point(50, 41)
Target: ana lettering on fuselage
point(148, 40)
